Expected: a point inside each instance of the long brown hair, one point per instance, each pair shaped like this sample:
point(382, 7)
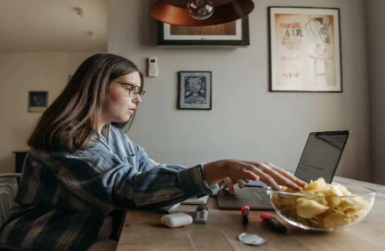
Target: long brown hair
point(72, 118)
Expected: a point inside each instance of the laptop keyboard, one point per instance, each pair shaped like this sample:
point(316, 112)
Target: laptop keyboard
point(254, 197)
point(261, 196)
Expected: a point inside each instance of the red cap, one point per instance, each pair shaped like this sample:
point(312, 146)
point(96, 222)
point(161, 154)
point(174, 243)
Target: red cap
point(266, 215)
point(243, 208)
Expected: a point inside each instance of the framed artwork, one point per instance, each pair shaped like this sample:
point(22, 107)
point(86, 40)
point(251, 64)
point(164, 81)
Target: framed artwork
point(305, 49)
point(230, 34)
point(195, 90)
point(38, 101)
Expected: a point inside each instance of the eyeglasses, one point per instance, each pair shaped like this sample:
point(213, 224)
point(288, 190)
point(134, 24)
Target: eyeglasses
point(133, 90)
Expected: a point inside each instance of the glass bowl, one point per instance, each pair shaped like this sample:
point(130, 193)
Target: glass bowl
point(323, 211)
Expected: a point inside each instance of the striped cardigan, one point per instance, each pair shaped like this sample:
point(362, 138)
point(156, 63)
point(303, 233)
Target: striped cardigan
point(64, 196)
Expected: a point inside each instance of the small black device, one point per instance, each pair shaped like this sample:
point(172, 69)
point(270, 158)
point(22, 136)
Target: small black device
point(245, 210)
point(273, 223)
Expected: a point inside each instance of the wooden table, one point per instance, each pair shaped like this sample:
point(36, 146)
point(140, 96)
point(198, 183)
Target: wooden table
point(143, 231)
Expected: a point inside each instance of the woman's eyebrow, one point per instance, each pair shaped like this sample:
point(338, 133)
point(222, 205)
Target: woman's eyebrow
point(127, 83)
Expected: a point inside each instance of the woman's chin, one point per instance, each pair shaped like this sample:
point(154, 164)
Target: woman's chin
point(126, 119)
point(123, 120)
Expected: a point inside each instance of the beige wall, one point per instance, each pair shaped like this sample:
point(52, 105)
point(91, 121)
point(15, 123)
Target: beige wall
point(247, 121)
point(19, 74)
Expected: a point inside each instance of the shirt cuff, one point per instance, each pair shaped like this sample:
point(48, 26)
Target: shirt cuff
point(193, 183)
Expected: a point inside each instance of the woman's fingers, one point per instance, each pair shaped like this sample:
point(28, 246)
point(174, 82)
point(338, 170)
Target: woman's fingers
point(230, 185)
point(272, 175)
point(264, 177)
point(221, 185)
point(282, 180)
point(280, 176)
point(247, 173)
point(251, 171)
point(288, 175)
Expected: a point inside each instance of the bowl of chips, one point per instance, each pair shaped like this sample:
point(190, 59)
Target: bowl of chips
point(323, 207)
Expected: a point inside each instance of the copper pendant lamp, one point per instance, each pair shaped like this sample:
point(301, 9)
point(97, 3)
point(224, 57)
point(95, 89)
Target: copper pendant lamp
point(181, 12)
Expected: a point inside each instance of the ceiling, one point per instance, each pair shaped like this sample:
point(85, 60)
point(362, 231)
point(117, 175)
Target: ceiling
point(53, 25)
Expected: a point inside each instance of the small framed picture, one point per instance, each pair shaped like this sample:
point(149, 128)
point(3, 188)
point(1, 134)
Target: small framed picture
point(305, 49)
point(234, 33)
point(195, 90)
point(38, 101)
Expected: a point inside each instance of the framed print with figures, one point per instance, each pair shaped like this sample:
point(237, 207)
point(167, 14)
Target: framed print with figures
point(305, 49)
point(234, 33)
point(195, 90)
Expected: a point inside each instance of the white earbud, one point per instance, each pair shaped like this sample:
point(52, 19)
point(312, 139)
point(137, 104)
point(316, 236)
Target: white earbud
point(176, 220)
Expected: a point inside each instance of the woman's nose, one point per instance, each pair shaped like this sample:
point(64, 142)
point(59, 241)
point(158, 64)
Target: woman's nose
point(138, 99)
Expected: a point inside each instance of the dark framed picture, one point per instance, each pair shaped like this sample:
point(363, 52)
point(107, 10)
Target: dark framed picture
point(38, 101)
point(230, 34)
point(195, 90)
point(305, 49)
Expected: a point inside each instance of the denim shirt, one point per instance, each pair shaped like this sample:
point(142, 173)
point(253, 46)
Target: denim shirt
point(64, 196)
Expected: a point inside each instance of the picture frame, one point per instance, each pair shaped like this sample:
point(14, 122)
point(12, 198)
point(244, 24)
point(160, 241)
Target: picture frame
point(195, 90)
point(305, 49)
point(38, 101)
point(230, 34)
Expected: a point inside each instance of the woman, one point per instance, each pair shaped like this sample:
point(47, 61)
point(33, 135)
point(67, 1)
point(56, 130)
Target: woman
point(82, 168)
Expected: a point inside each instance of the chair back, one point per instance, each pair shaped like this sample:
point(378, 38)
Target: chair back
point(8, 190)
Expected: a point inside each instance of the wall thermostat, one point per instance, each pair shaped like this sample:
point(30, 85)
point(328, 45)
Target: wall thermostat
point(152, 67)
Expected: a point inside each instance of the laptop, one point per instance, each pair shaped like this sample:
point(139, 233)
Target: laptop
point(320, 158)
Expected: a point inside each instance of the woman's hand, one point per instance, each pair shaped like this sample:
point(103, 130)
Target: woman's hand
point(230, 184)
point(273, 176)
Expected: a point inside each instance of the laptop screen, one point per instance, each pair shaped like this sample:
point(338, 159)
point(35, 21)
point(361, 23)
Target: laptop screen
point(321, 155)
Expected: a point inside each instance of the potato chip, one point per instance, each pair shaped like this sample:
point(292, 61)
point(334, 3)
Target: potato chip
point(317, 186)
point(308, 209)
point(333, 201)
point(335, 219)
point(323, 205)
